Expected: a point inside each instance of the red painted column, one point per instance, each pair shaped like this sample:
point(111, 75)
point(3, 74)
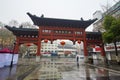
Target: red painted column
point(38, 48)
point(85, 47)
point(85, 44)
point(51, 35)
point(39, 42)
point(102, 50)
point(103, 54)
point(16, 45)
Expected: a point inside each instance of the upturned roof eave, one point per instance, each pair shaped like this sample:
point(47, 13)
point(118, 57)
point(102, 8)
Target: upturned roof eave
point(22, 31)
point(41, 21)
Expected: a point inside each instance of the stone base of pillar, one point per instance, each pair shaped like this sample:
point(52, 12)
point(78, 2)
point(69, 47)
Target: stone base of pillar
point(85, 59)
point(104, 60)
point(37, 58)
point(118, 60)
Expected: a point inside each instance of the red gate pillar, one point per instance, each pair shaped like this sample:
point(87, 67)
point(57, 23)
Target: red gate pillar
point(16, 45)
point(103, 53)
point(38, 48)
point(85, 48)
point(39, 45)
point(102, 50)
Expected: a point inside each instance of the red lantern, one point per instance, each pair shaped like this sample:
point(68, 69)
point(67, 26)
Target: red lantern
point(79, 41)
point(62, 43)
point(45, 40)
point(28, 44)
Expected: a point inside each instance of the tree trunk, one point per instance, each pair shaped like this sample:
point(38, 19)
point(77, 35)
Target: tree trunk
point(116, 52)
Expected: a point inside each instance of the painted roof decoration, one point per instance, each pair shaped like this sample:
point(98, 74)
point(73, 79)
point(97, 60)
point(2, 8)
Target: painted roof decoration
point(34, 32)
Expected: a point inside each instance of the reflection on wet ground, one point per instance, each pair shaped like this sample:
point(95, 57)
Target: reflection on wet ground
point(55, 69)
point(7, 73)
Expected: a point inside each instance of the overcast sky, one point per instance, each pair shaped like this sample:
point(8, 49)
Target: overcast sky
point(67, 9)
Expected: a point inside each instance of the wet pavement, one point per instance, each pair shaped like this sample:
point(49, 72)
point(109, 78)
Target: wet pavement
point(58, 69)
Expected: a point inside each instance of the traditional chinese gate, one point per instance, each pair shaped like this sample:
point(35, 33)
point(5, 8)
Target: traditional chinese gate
point(53, 29)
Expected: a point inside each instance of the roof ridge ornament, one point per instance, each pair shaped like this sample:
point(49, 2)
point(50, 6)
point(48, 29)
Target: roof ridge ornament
point(81, 19)
point(42, 16)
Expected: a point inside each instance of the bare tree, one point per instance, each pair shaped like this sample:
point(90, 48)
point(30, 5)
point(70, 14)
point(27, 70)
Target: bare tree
point(27, 25)
point(1, 25)
point(106, 6)
point(13, 23)
point(6, 38)
point(116, 1)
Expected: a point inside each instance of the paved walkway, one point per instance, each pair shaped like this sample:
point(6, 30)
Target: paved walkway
point(67, 69)
point(71, 71)
point(112, 66)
